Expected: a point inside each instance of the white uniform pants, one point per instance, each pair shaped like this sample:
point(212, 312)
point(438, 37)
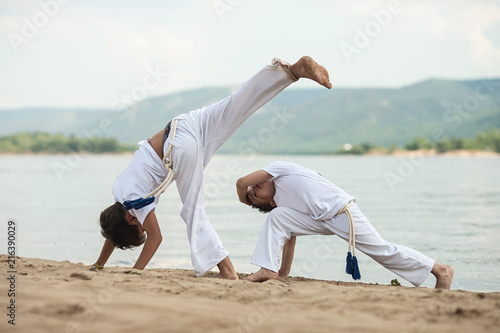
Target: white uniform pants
point(199, 134)
point(282, 223)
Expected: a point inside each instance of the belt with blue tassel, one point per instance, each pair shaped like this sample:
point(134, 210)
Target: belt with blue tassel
point(351, 260)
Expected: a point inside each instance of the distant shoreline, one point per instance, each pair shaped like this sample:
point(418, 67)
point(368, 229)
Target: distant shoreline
point(399, 152)
point(433, 153)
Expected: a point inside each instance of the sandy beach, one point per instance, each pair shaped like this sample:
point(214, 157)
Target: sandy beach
point(462, 153)
point(54, 296)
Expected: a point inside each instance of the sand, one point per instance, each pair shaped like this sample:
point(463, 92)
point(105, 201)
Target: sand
point(55, 296)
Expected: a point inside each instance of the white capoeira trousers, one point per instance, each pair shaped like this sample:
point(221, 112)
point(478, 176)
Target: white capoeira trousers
point(199, 134)
point(283, 222)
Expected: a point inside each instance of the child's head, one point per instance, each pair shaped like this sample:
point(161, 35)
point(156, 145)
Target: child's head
point(261, 196)
point(114, 226)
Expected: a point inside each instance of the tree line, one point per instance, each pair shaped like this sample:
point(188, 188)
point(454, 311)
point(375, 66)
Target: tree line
point(38, 142)
point(487, 141)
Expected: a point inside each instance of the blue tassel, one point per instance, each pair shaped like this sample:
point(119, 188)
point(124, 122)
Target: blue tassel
point(356, 275)
point(348, 266)
point(138, 203)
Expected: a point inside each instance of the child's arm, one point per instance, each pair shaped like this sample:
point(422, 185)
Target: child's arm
point(106, 251)
point(254, 178)
point(153, 240)
point(286, 262)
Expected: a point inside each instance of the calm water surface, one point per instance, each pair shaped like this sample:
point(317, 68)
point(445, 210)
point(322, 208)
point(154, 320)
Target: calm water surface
point(447, 208)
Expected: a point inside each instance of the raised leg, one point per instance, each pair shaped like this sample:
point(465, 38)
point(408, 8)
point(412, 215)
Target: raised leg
point(307, 68)
point(218, 121)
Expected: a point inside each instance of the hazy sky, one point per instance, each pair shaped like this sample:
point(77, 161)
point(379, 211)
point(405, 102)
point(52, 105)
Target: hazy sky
point(77, 53)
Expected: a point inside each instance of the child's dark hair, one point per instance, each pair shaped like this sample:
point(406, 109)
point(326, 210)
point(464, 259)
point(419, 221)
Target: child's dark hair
point(114, 227)
point(263, 208)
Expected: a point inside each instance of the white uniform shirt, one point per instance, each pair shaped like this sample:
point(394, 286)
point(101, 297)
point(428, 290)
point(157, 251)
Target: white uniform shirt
point(144, 173)
point(306, 190)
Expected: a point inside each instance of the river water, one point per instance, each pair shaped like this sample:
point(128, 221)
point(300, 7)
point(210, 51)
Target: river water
point(447, 208)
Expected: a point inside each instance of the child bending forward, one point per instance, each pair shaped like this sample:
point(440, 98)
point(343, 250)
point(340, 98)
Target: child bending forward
point(189, 141)
point(301, 202)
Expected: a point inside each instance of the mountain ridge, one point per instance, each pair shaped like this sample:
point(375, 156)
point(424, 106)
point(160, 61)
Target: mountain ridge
point(297, 120)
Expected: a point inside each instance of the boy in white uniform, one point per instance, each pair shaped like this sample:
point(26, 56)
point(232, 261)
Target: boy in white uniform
point(197, 136)
point(301, 202)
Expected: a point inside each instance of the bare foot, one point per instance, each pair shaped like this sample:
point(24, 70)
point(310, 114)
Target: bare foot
point(226, 270)
point(443, 274)
point(262, 275)
point(308, 68)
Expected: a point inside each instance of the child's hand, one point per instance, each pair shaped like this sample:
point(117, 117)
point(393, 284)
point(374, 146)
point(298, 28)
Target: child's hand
point(242, 193)
point(244, 198)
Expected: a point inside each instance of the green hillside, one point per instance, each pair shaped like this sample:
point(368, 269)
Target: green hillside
point(297, 120)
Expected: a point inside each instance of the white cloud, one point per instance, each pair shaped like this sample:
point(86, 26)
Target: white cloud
point(476, 19)
point(102, 59)
point(92, 52)
point(469, 20)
